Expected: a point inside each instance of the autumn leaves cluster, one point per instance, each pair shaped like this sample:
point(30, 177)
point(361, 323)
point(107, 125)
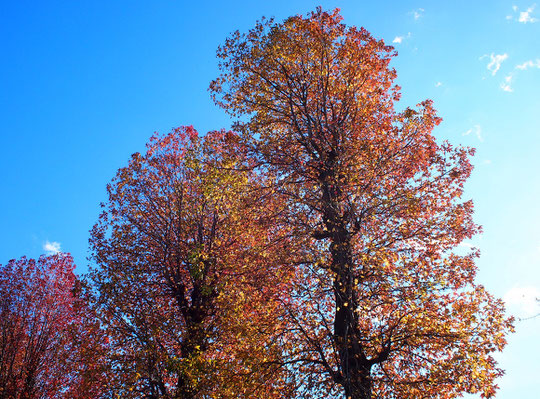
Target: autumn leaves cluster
point(307, 253)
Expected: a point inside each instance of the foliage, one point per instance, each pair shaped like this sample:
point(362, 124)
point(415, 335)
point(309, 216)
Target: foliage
point(49, 340)
point(386, 306)
point(312, 253)
point(184, 273)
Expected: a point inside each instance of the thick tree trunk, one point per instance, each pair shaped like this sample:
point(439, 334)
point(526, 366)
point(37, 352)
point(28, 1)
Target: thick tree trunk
point(354, 367)
point(185, 388)
point(195, 339)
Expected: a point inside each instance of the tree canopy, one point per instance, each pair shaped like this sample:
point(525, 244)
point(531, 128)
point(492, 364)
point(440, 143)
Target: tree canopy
point(50, 341)
point(311, 252)
point(185, 279)
point(388, 307)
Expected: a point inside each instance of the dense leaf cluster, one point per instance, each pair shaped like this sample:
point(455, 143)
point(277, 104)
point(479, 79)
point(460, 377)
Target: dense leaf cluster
point(308, 253)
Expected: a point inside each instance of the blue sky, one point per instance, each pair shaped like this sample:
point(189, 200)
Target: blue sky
point(84, 84)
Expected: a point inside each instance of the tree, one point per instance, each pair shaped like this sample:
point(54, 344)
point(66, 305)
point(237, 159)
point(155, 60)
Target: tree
point(49, 339)
point(386, 306)
point(183, 271)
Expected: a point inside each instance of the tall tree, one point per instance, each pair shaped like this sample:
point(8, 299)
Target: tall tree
point(183, 271)
point(50, 341)
point(387, 307)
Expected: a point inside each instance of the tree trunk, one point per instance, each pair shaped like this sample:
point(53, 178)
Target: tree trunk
point(354, 367)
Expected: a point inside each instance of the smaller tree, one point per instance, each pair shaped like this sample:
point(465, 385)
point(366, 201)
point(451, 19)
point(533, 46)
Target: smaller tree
point(182, 272)
point(49, 339)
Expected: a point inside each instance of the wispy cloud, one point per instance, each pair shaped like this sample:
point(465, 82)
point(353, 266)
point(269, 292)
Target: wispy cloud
point(495, 61)
point(529, 64)
point(399, 39)
point(523, 16)
point(523, 300)
point(51, 248)
point(506, 84)
point(417, 14)
point(477, 131)
point(438, 84)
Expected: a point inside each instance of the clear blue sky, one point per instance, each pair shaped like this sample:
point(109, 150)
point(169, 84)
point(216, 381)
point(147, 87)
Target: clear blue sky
point(84, 84)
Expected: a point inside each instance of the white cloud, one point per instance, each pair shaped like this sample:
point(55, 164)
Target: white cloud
point(506, 84)
point(51, 248)
point(399, 39)
point(477, 131)
point(525, 16)
point(487, 162)
point(525, 301)
point(495, 62)
point(438, 84)
point(417, 14)
point(529, 64)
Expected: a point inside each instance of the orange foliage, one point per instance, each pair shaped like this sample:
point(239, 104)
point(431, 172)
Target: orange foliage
point(186, 285)
point(383, 305)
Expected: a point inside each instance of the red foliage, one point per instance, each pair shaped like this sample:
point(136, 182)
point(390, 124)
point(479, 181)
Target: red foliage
point(48, 337)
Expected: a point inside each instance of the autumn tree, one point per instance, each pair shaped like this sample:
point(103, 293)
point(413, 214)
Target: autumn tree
point(182, 273)
point(386, 306)
point(50, 341)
